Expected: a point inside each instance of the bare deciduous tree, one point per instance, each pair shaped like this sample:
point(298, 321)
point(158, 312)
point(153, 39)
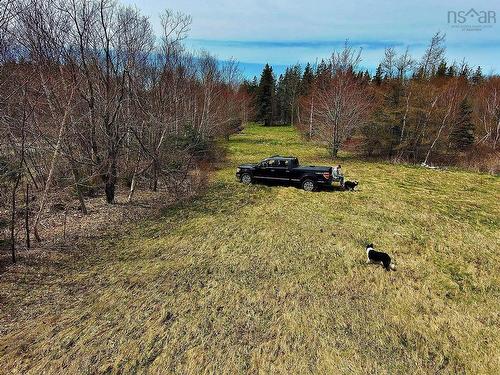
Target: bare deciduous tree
point(108, 102)
point(449, 99)
point(389, 63)
point(488, 102)
point(433, 55)
point(404, 63)
point(342, 105)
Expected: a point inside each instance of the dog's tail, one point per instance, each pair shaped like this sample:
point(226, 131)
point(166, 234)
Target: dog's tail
point(392, 266)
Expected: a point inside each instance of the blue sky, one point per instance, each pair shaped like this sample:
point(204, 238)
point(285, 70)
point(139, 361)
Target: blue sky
point(284, 32)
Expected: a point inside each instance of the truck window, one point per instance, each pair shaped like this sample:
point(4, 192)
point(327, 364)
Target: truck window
point(273, 163)
point(283, 163)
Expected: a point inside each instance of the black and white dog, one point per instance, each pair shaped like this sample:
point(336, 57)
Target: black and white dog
point(379, 257)
point(350, 185)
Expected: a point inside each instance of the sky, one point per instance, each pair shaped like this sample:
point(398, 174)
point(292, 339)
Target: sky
point(281, 33)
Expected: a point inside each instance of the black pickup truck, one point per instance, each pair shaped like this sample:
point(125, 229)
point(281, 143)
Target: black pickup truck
point(286, 170)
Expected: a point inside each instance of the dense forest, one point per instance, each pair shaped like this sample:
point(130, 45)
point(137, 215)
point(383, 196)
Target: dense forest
point(419, 110)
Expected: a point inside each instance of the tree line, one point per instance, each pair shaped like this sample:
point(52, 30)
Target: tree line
point(91, 101)
point(419, 110)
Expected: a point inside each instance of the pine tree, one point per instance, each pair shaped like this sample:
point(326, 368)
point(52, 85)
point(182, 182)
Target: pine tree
point(250, 87)
point(477, 78)
point(441, 70)
point(307, 80)
point(287, 94)
point(452, 71)
point(377, 78)
point(265, 96)
point(465, 71)
point(323, 74)
point(280, 99)
point(462, 136)
point(255, 82)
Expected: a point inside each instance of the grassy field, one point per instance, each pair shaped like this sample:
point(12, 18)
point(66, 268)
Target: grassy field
point(273, 280)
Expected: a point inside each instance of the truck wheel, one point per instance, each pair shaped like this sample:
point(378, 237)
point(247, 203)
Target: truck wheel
point(246, 178)
point(308, 185)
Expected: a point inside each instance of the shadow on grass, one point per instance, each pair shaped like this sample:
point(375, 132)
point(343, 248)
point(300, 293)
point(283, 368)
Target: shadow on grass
point(221, 197)
point(229, 199)
point(326, 188)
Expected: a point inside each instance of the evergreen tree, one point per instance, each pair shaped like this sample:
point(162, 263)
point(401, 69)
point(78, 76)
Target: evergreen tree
point(265, 96)
point(280, 99)
point(462, 136)
point(255, 82)
point(323, 74)
point(477, 78)
point(377, 78)
point(287, 94)
point(294, 86)
point(381, 135)
point(250, 87)
point(307, 80)
point(452, 71)
point(441, 70)
point(465, 71)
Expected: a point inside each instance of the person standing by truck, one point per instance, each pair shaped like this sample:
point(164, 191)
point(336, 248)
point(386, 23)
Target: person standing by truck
point(338, 175)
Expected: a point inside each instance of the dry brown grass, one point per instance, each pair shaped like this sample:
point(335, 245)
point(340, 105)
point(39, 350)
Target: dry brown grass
point(273, 280)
